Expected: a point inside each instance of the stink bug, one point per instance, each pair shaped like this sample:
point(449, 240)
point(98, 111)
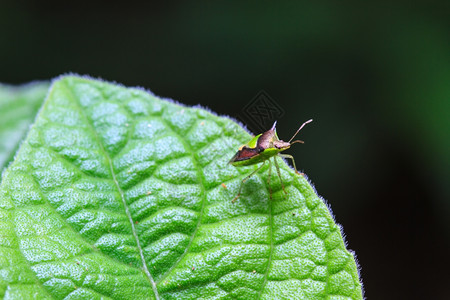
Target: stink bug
point(262, 148)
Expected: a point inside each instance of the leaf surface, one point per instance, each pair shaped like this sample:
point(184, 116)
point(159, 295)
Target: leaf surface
point(117, 194)
point(18, 108)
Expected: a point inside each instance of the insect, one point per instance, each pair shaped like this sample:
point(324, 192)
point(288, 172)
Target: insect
point(262, 148)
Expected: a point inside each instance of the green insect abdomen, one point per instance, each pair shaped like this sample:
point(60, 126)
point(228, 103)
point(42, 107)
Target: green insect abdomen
point(260, 157)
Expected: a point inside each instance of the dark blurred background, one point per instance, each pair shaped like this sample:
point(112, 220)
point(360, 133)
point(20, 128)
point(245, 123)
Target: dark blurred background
point(374, 76)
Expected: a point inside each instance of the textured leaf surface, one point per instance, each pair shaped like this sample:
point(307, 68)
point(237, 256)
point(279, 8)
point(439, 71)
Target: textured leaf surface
point(18, 108)
point(116, 194)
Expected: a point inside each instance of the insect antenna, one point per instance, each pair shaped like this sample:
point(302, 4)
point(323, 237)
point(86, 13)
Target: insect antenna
point(298, 141)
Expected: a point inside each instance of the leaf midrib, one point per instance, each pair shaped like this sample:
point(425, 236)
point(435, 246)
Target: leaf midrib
point(114, 178)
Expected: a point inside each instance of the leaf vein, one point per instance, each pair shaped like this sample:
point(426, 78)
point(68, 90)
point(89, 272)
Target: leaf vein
point(199, 175)
point(127, 211)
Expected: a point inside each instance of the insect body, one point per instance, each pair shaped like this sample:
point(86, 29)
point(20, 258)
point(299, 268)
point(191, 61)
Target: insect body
point(261, 149)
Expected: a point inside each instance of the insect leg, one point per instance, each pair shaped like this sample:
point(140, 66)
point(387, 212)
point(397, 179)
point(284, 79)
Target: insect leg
point(279, 174)
point(268, 178)
point(244, 180)
point(293, 161)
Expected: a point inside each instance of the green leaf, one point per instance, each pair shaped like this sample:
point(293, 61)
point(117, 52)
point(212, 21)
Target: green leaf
point(116, 194)
point(18, 108)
